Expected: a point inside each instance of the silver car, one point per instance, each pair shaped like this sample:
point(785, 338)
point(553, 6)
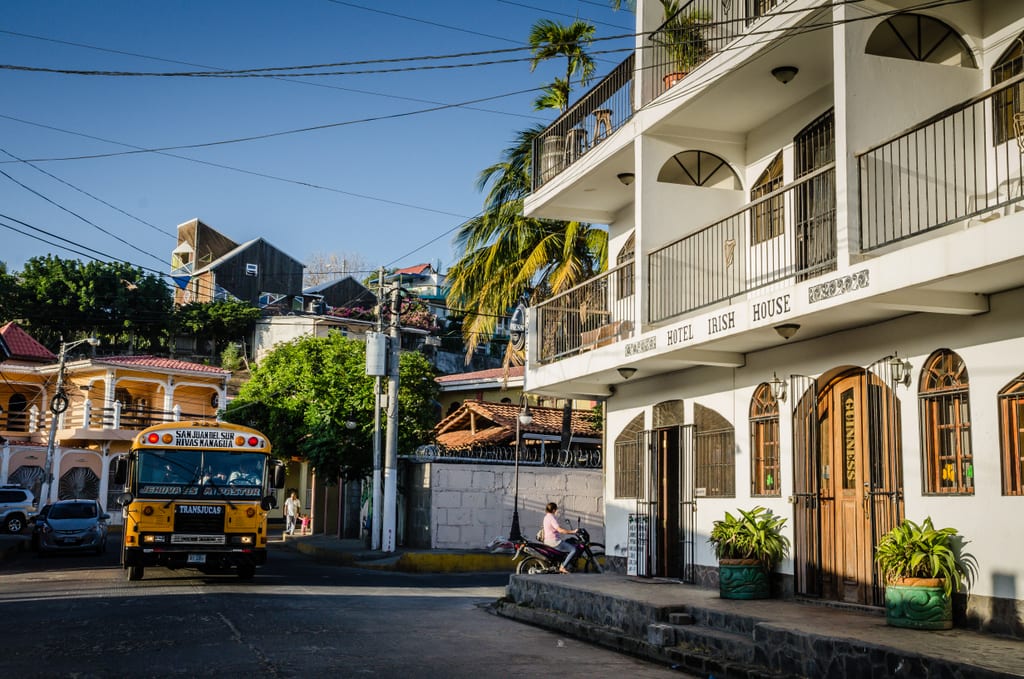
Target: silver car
point(73, 525)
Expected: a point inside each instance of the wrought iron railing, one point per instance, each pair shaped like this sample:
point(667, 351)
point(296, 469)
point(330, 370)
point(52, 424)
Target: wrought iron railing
point(531, 455)
point(117, 417)
point(789, 234)
point(593, 314)
point(698, 31)
point(965, 163)
point(587, 123)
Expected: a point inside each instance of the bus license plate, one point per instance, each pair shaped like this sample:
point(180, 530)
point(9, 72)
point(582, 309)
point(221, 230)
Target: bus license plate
point(196, 558)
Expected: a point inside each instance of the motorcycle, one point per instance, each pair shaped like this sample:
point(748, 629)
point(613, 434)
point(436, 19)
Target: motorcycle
point(537, 557)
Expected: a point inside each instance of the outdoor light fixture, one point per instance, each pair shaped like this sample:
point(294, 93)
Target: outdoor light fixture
point(525, 419)
point(787, 330)
point(778, 387)
point(350, 424)
point(784, 73)
point(627, 372)
point(900, 370)
point(626, 178)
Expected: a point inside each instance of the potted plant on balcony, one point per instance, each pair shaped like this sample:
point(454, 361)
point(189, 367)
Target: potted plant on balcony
point(922, 566)
point(748, 547)
point(683, 40)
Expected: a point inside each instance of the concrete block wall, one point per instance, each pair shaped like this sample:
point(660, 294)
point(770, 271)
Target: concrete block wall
point(471, 504)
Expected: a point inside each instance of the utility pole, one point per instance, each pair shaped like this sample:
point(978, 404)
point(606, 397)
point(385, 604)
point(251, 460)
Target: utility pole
point(378, 491)
point(57, 406)
point(391, 452)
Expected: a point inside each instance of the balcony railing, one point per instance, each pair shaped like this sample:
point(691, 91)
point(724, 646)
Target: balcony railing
point(789, 234)
point(698, 31)
point(587, 123)
point(118, 417)
point(966, 163)
point(590, 315)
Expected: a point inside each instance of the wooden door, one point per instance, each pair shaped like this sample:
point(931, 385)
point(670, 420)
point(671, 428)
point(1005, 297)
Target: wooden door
point(847, 566)
point(668, 553)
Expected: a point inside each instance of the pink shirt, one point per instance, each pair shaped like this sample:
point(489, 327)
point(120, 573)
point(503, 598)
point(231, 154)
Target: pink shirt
point(551, 535)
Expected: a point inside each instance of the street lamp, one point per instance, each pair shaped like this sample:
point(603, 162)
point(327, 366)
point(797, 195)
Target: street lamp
point(525, 419)
point(57, 406)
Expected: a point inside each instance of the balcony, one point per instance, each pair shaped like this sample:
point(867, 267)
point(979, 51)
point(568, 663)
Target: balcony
point(697, 32)
point(590, 315)
point(591, 120)
point(963, 165)
point(786, 235)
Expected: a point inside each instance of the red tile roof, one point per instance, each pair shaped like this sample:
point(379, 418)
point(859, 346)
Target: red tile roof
point(482, 375)
point(418, 269)
point(161, 363)
point(23, 347)
point(496, 424)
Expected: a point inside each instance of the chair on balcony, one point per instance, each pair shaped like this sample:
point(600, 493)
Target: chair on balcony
point(609, 333)
point(575, 145)
point(602, 124)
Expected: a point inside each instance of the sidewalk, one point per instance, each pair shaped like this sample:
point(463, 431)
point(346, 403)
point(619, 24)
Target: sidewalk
point(693, 629)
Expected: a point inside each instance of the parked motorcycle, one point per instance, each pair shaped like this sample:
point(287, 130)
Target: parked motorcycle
point(537, 557)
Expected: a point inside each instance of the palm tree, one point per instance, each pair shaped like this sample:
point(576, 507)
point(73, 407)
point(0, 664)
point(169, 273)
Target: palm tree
point(549, 40)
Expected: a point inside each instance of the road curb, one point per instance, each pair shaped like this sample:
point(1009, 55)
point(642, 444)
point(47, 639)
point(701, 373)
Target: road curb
point(408, 562)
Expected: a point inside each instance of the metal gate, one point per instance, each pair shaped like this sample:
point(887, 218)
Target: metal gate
point(806, 486)
point(667, 503)
point(885, 459)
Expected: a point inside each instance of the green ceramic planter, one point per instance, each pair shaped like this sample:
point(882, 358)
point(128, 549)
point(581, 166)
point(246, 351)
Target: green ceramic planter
point(742, 579)
point(916, 605)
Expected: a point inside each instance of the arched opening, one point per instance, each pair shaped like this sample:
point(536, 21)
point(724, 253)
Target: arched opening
point(918, 37)
point(699, 168)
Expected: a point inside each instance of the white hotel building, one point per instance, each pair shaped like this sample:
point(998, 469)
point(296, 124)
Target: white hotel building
point(816, 302)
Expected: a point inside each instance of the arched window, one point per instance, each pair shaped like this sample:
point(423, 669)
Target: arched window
point(1011, 436)
point(764, 443)
point(624, 279)
point(715, 443)
point(1007, 102)
point(699, 168)
point(628, 462)
point(946, 425)
point(17, 417)
point(919, 38)
point(767, 219)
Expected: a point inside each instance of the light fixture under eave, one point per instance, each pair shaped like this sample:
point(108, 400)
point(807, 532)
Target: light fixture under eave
point(626, 178)
point(627, 372)
point(787, 330)
point(785, 73)
point(778, 387)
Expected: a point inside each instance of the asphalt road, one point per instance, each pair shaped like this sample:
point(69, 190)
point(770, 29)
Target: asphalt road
point(78, 616)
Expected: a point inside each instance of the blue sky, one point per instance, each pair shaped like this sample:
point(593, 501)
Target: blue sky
point(390, 186)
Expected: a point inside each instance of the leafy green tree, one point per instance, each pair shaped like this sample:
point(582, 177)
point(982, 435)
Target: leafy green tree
point(115, 301)
point(222, 321)
point(549, 40)
point(303, 394)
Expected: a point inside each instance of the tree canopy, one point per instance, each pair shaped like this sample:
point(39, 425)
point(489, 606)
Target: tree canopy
point(303, 394)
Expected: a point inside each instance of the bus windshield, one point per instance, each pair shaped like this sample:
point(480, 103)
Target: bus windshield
point(199, 473)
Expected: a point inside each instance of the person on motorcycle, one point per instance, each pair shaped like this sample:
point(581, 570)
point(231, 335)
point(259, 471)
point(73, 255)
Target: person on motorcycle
point(552, 536)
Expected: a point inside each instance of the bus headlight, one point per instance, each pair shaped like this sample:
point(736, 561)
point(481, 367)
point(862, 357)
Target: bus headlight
point(243, 539)
point(150, 539)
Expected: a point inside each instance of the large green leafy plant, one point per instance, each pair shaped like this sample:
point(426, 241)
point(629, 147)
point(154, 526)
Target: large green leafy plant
point(754, 534)
point(682, 37)
point(912, 550)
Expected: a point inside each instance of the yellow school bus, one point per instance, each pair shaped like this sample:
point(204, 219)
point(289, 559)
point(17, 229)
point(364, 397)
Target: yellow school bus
point(197, 496)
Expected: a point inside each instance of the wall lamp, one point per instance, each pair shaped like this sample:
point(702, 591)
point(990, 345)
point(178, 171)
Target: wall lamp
point(626, 178)
point(787, 330)
point(627, 372)
point(900, 370)
point(778, 387)
point(784, 73)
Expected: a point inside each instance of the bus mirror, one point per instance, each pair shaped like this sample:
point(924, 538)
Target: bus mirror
point(124, 499)
point(121, 470)
point(269, 502)
point(278, 474)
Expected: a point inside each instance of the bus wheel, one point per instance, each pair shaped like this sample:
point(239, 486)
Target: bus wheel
point(135, 572)
point(246, 571)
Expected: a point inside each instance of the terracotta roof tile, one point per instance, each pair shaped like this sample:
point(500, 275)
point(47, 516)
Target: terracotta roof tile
point(496, 424)
point(23, 347)
point(162, 363)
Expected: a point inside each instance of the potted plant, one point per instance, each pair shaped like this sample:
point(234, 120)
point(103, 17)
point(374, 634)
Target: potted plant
point(748, 547)
point(922, 566)
point(682, 38)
